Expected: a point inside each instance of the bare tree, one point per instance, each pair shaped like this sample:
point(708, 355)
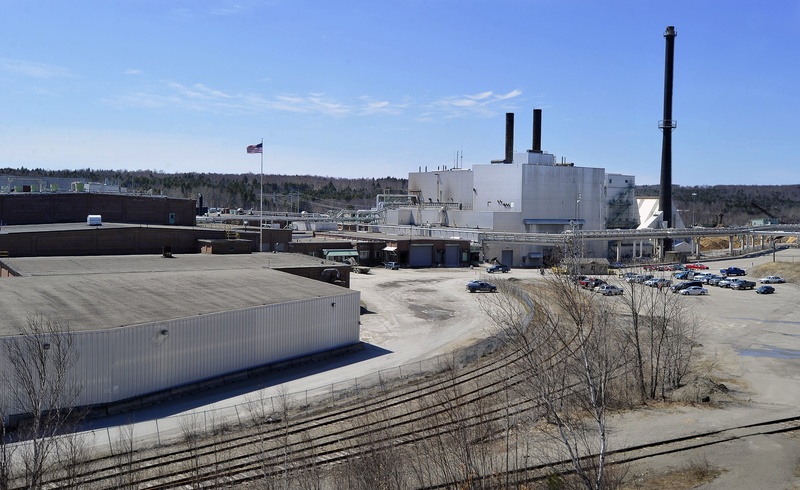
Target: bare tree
point(192, 431)
point(662, 333)
point(6, 448)
point(74, 456)
point(41, 388)
point(125, 456)
point(567, 353)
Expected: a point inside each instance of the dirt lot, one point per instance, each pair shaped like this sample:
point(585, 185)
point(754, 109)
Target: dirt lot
point(750, 344)
point(750, 347)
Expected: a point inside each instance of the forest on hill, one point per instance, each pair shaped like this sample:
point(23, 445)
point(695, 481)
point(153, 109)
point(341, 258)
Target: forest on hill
point(729, 205)
point(732, 205)
point(282, 193)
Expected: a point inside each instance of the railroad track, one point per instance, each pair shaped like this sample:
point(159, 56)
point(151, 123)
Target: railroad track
point(539, 473)
point(334, 438)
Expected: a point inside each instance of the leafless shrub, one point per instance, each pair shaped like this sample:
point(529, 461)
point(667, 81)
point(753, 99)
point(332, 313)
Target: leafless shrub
point(39, 386)
point(125, 458)
point(192, 431)
point(74, 457)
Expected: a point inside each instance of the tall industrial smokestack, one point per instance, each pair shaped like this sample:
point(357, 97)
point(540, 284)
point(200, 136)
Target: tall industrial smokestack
point(509, 138)
point(537, 131)
point(667, 125)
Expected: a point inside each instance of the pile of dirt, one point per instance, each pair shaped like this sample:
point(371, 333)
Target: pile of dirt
point(721, 242)
point(701, 390)
point(713, 243)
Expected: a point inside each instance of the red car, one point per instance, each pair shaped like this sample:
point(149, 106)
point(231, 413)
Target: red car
point(696, 266)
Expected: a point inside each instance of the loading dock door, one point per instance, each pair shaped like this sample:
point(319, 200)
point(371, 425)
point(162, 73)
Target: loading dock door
point(420, 256)
point(508, 258)
point(451, 255)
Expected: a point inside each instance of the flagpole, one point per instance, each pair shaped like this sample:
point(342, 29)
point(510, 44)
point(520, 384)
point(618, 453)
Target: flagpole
point(261, 200)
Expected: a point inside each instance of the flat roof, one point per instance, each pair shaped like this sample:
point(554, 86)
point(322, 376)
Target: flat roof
point(104, 264)
point(72, 226)
point(101, 292)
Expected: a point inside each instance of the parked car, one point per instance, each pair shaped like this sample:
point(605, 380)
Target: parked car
point(725, 282)
point(701, 276)
point(609, 290)
point(591, 282)
point(633, 277)
point(772, 280)
point(641, 278)
point(684, 275)
point(714, 280)
point(392, 265)
point(474, 286)
point(732, 271)
point(711, 278)
point(676, 288)
point(657, 281)
point(498, 268)
point(696, 265)
point(742, 284)
point(694, 291)
point(765, 290)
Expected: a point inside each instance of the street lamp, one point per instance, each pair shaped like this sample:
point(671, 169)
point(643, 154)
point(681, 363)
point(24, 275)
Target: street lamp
point(694, 198)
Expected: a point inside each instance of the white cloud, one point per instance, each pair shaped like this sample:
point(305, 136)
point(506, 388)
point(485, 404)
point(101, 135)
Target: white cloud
point(32, 69)
point(482, 103)
point(132, 71)
point(510, 95)
point(479, 96)
point(202, 98)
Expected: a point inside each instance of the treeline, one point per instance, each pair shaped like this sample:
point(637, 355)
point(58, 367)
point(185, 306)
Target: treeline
point(711, 205)
point(732, 205)
point(281, 192)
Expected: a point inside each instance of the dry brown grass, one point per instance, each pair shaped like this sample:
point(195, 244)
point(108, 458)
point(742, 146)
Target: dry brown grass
point(693, 474)
point(787, 270)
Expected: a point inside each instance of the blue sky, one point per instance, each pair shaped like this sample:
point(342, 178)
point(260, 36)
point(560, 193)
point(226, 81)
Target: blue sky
point(382, 88)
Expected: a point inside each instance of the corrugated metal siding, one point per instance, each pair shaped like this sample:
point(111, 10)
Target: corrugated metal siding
point(126, 362)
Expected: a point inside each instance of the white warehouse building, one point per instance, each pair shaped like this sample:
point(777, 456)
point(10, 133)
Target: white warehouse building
point(523, 193)
point(145, 324)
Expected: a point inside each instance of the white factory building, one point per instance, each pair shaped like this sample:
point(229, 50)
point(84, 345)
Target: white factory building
point(144, 325)
point(528, 192)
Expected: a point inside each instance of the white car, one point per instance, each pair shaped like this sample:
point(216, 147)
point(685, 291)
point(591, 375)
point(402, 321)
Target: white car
point(694, 291)
point(771, 280)
point(702, 276)
point(609, 290)
point(725, 283)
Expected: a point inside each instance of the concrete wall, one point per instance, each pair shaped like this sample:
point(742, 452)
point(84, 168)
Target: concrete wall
point(453, 186)
point(552, 192)
point(498, 188)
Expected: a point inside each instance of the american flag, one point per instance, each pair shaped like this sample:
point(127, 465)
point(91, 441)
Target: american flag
point(254, 148)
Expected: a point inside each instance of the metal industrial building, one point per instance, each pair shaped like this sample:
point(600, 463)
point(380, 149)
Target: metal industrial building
point(526, 192)
point(150, 327)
